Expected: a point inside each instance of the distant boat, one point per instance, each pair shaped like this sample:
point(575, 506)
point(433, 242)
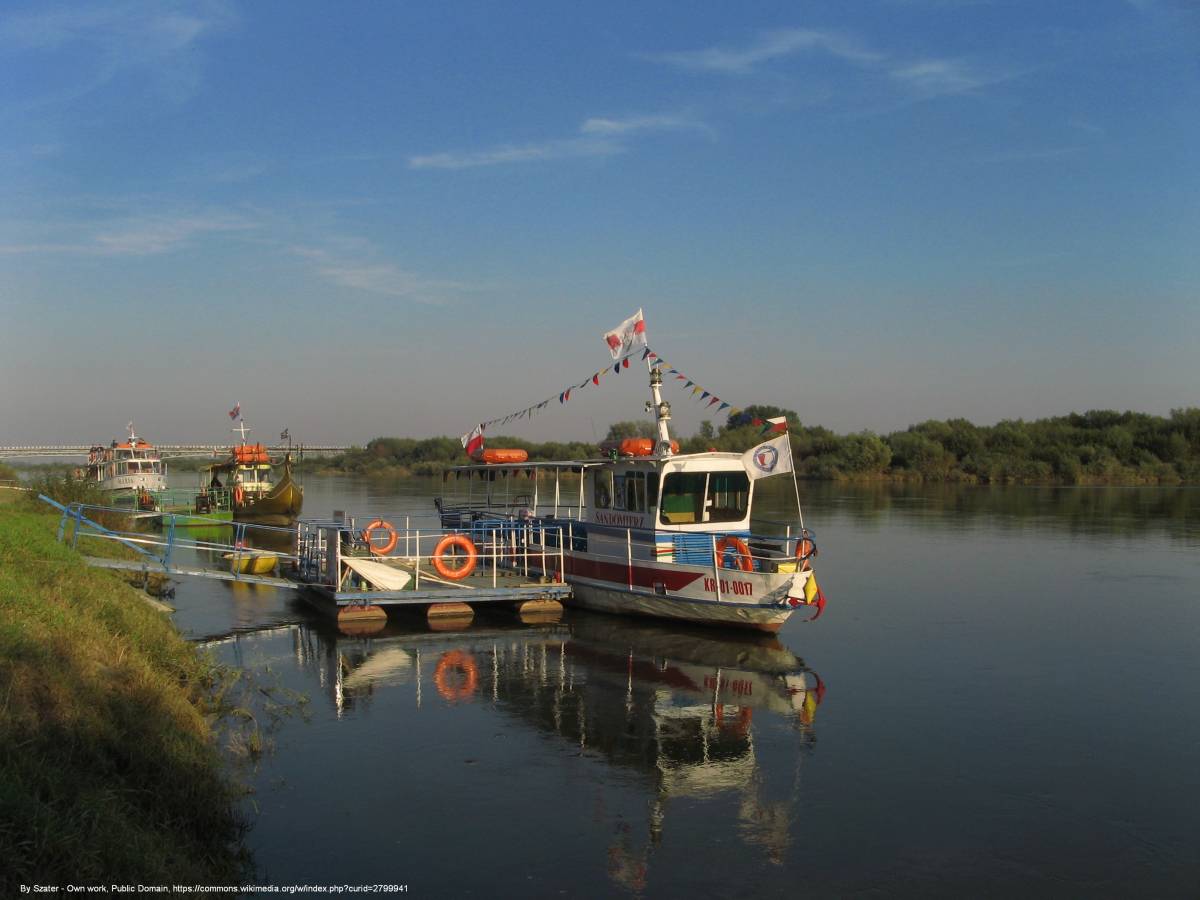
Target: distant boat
point(129, 472)
point(257, 499)
point(248, 476)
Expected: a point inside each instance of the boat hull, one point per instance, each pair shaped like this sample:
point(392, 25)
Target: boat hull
point(701, 612)
point(253, 562)
point(279, 506)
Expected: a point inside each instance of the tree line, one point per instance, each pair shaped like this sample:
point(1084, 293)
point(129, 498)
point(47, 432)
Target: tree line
point(1095, 447)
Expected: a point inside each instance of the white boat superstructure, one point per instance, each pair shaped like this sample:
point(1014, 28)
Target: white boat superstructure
point(132, 468)
point(660, 534)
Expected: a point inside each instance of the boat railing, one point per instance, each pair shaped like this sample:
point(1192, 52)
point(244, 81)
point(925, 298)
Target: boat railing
point(196, 501)
point(483, 553)
point(725, 551)
point(84, 526)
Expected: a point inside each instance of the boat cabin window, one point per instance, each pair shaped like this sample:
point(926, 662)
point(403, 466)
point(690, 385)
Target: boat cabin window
point(603, 490)
point(635, 491)
point(690, 497)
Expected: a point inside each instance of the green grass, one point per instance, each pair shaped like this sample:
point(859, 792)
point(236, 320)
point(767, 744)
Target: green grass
point(109, 772)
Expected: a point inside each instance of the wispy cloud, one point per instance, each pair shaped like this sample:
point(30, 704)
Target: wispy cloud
point(769, 46)
point(524, 153)
point(160, 234)
point(918, 78)
point(598, 136)
point(134, 236)
point(641, 124)
point(348, 265)
point(940, 77)
point(97, 43)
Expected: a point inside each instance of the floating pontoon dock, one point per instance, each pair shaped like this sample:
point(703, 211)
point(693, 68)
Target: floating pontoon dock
point(345, 569)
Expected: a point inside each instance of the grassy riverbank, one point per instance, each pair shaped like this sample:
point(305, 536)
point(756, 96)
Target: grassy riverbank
point(108, 768)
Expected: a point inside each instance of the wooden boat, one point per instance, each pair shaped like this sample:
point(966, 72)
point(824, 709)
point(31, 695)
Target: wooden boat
point(245, 484)
point(266, 503)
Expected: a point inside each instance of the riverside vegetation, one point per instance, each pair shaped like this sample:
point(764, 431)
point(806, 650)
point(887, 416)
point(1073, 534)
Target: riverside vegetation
point(1096, 447)
point(109, 767)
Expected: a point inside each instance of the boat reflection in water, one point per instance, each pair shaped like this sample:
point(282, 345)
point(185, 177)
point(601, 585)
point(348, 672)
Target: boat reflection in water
point(673, 712)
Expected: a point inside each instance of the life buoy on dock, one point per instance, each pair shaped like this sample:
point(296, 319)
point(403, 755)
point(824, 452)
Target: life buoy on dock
point(805, 551)
point(238, 494)
point(379, 525)
point(463, 663)
point(741, 726)
point(465, 544)
point(741, 560)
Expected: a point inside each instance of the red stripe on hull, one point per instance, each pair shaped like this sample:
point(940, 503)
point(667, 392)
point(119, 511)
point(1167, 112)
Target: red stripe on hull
point(620, 574)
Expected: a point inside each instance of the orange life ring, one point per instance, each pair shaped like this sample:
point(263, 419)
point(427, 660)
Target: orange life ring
point(238, 494)
point(369, 536)
point(456, 660)
point(742, 560)
point(805, 551)
point(462, 542)
point(745, 715)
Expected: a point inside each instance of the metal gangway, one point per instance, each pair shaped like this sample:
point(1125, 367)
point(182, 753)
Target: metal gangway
point(407, 564)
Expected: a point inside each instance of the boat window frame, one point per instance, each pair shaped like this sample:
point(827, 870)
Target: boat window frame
point(704, 516)
point(602, 488)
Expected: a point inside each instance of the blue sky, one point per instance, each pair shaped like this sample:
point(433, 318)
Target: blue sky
point(398, 219)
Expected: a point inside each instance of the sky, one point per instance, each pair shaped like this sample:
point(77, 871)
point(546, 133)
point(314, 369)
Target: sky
point(366, 219)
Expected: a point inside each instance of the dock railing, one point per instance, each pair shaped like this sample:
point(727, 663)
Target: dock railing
point(480, 554)
point(80, 526)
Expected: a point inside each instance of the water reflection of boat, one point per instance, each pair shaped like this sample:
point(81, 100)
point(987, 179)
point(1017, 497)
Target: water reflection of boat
point(681, 713)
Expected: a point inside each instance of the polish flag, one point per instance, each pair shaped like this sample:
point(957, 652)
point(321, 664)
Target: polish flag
point(472, 441)
point(622, 339)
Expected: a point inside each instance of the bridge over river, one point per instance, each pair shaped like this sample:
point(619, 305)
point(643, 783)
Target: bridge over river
point(167, 451)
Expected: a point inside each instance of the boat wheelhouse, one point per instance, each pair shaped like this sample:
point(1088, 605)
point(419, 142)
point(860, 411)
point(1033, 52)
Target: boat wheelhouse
point(666, 535)
point(130, 471)
point(245, 482)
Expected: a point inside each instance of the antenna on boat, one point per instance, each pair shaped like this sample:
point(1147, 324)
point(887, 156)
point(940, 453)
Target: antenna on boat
point(661, 409)
point(241, 429)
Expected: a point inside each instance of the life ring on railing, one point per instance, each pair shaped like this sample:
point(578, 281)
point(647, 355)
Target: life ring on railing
point(451, 661)
point(238, 494)
point(369, 536)
point(742, 559)
point(462, 542)
point(806, 549)
point(742, 726)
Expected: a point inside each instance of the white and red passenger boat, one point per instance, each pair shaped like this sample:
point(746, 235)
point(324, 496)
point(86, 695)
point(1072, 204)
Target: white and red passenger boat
point(129, 471)
point(648, 531)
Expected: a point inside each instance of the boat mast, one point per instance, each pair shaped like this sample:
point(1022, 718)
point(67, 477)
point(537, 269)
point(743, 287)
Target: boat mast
point(661, 409)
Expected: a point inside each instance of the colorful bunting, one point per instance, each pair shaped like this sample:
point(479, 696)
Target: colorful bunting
point(564, 396)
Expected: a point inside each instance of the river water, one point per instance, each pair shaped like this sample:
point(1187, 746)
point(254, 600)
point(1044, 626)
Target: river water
point(1001, 698)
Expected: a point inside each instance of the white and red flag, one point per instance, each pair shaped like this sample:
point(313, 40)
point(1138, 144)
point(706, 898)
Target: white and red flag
point(775, 426)
point(472, 441)
point(769, 458)
point(622, 339)
point(236, 411)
